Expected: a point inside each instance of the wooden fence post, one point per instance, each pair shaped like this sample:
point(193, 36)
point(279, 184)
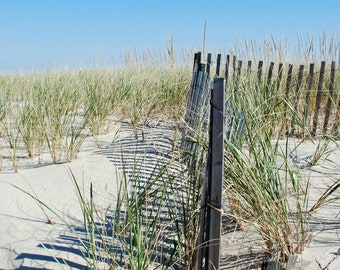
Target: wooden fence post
point(234, 66)
point(270, 73)
point(289, 79)
point(259, 71)
point(249, 68)
point(279, 77)
point(330, 98)
point(309, 88)
point(208, 64)
point(218, 63)
point(297, 97)
point(239, 67)
point(197, 60)
point(226, 72)
point(215, 180)
point(318, 98)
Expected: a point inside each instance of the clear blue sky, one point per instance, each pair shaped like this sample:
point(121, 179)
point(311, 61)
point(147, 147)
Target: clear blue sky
point(37, 34)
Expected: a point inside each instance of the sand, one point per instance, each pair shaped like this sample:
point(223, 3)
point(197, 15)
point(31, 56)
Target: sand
point(31, 239)
point(27, 239)
point(244, 249)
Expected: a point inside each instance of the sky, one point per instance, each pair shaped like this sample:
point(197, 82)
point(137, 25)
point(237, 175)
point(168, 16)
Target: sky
point(41, 34)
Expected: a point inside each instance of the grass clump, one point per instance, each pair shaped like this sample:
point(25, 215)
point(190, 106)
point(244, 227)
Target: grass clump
point(56, 111)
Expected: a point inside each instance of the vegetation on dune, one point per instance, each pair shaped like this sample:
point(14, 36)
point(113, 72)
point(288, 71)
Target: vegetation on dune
point(56, 111)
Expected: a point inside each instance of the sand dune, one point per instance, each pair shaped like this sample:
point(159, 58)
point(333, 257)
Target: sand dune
point(33, 238)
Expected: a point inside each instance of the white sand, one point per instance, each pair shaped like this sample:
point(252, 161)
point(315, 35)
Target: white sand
point(324, 223)
point(243, 249)
point(26, 238)
point(28, 241)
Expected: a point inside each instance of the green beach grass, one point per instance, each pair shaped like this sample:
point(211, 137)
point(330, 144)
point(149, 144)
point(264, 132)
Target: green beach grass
point(54, 112)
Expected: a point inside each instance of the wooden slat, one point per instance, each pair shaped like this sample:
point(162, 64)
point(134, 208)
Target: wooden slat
point(288, 82)
point(330, 98)
point(199, 57)
point(239, 67)
point(259, 71)
point(270, 73)
point(195, 60)
point(309, 88)
point(218, 64)
point(235, 122)
point(297, 96)
point(249, 67)
point(298, 84)
point(215, 183)
point(279, 77)
point(193, 87)
point(238, 73)
point(226, 72)
point(234, 66)
point(205, 90)
point(201, 245)
point(318, 98)
point(208, 63)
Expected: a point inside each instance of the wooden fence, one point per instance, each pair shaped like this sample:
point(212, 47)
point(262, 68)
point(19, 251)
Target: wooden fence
point(206, 118)
point(315, 102)
point(313, 91)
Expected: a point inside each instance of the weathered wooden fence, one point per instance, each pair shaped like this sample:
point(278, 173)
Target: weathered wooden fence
point(312, 91)
point(312, 96)
point(207, 115)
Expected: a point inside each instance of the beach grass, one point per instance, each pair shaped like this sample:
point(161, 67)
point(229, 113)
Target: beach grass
point(55, 112)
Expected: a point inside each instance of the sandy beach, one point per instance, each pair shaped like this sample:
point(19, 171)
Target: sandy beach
point(34, 238)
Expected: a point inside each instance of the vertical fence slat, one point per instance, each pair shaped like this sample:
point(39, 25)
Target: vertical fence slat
point(234, 66)
point(195, 60)
point(193, 87)
point(318, 98)
point(259, 70)
point(218, 64)
point(239, 67)
point(199, 58)
point(279, 76)
point(270, 73)
point(238, 73)
point(288, 81)
point(249, 67)
point(297, 96)
point(310, 78)
point(226, 72)
point(215, 183)
point(299, 80)
point(208, 63)
point(330, 98)
point(195, 108)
